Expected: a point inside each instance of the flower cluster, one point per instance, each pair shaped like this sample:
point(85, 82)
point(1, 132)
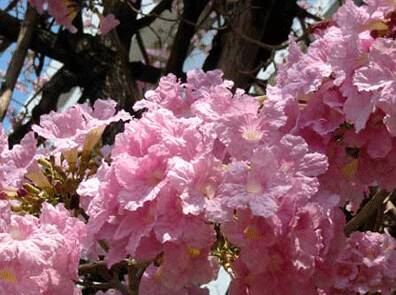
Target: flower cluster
point(340, 97)
point(39, 255)
point(211, 177)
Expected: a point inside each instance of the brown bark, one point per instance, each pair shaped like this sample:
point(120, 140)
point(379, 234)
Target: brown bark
point(268, 22)
point(17, 60)
point(191, 12)
point(366, 213)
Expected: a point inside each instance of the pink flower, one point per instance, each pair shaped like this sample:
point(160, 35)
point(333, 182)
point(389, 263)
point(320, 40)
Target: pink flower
point(283, 170)
point(39, 255)
point(39, 4)
point(108, 23)
point(282, 251)
point(150, 284)
point(63, 14)
point(366, 264)
point(194, 268)
point(15, 163)
point(69, 129)
point(378, 76)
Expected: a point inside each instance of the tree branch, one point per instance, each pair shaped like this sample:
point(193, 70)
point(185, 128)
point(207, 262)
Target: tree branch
point(11, 5)
point(46, 43)
point(366, 212)
point(191, 12)
point(43, 41)
point(145, 73)
point(17, 60)
point(303, 13)
point(250, 37)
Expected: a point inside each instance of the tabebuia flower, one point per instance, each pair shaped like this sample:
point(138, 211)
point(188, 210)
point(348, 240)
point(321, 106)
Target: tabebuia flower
point(205, 156)
point(39, 255)
point(64, 11)
point(69, 129)
point(108, 23)
point(365, 264)
point(339, 97)
point(16, 162)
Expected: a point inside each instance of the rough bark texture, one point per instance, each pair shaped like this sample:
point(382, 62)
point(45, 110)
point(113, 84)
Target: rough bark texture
point(192, 11)
point(266, 21)
point(25, 35)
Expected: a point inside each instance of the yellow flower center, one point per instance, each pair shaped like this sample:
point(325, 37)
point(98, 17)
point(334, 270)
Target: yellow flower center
point(16, 234)
point(252, 233)
point(156, 177)
point(349, 170)
point(193, 252)
point(253, 186)
point(7, 275)
point(158, 275)
point(251, 133)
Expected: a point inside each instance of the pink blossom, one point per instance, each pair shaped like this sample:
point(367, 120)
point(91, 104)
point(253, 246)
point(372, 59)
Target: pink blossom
point(378, 76)
point(69, 129)
point(108, 23)
point(366, 264)
point(15, 163)
point(63, 14)
point(39, 255)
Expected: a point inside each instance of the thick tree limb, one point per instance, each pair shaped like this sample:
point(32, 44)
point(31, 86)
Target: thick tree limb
point(17, 60)
point(48, 44)
point(191, 12)
point(43, 41)
point(145, 73)
point(366, 212)
point(254, 29)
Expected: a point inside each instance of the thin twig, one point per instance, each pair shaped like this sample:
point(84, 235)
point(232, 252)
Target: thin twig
point(155, 13)
point(268, 46)
point(173, 20)
point(142, 48)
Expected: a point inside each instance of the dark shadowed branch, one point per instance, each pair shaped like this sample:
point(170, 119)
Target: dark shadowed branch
point(191, 12)
point(15, 66)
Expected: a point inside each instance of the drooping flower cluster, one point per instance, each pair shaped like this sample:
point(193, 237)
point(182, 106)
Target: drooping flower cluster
point(366, 263)
point(345, 84)
point(202, 156)
point(39, 255)
point(189, 162)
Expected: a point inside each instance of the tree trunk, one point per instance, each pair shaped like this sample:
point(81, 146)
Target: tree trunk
point(268, 22)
